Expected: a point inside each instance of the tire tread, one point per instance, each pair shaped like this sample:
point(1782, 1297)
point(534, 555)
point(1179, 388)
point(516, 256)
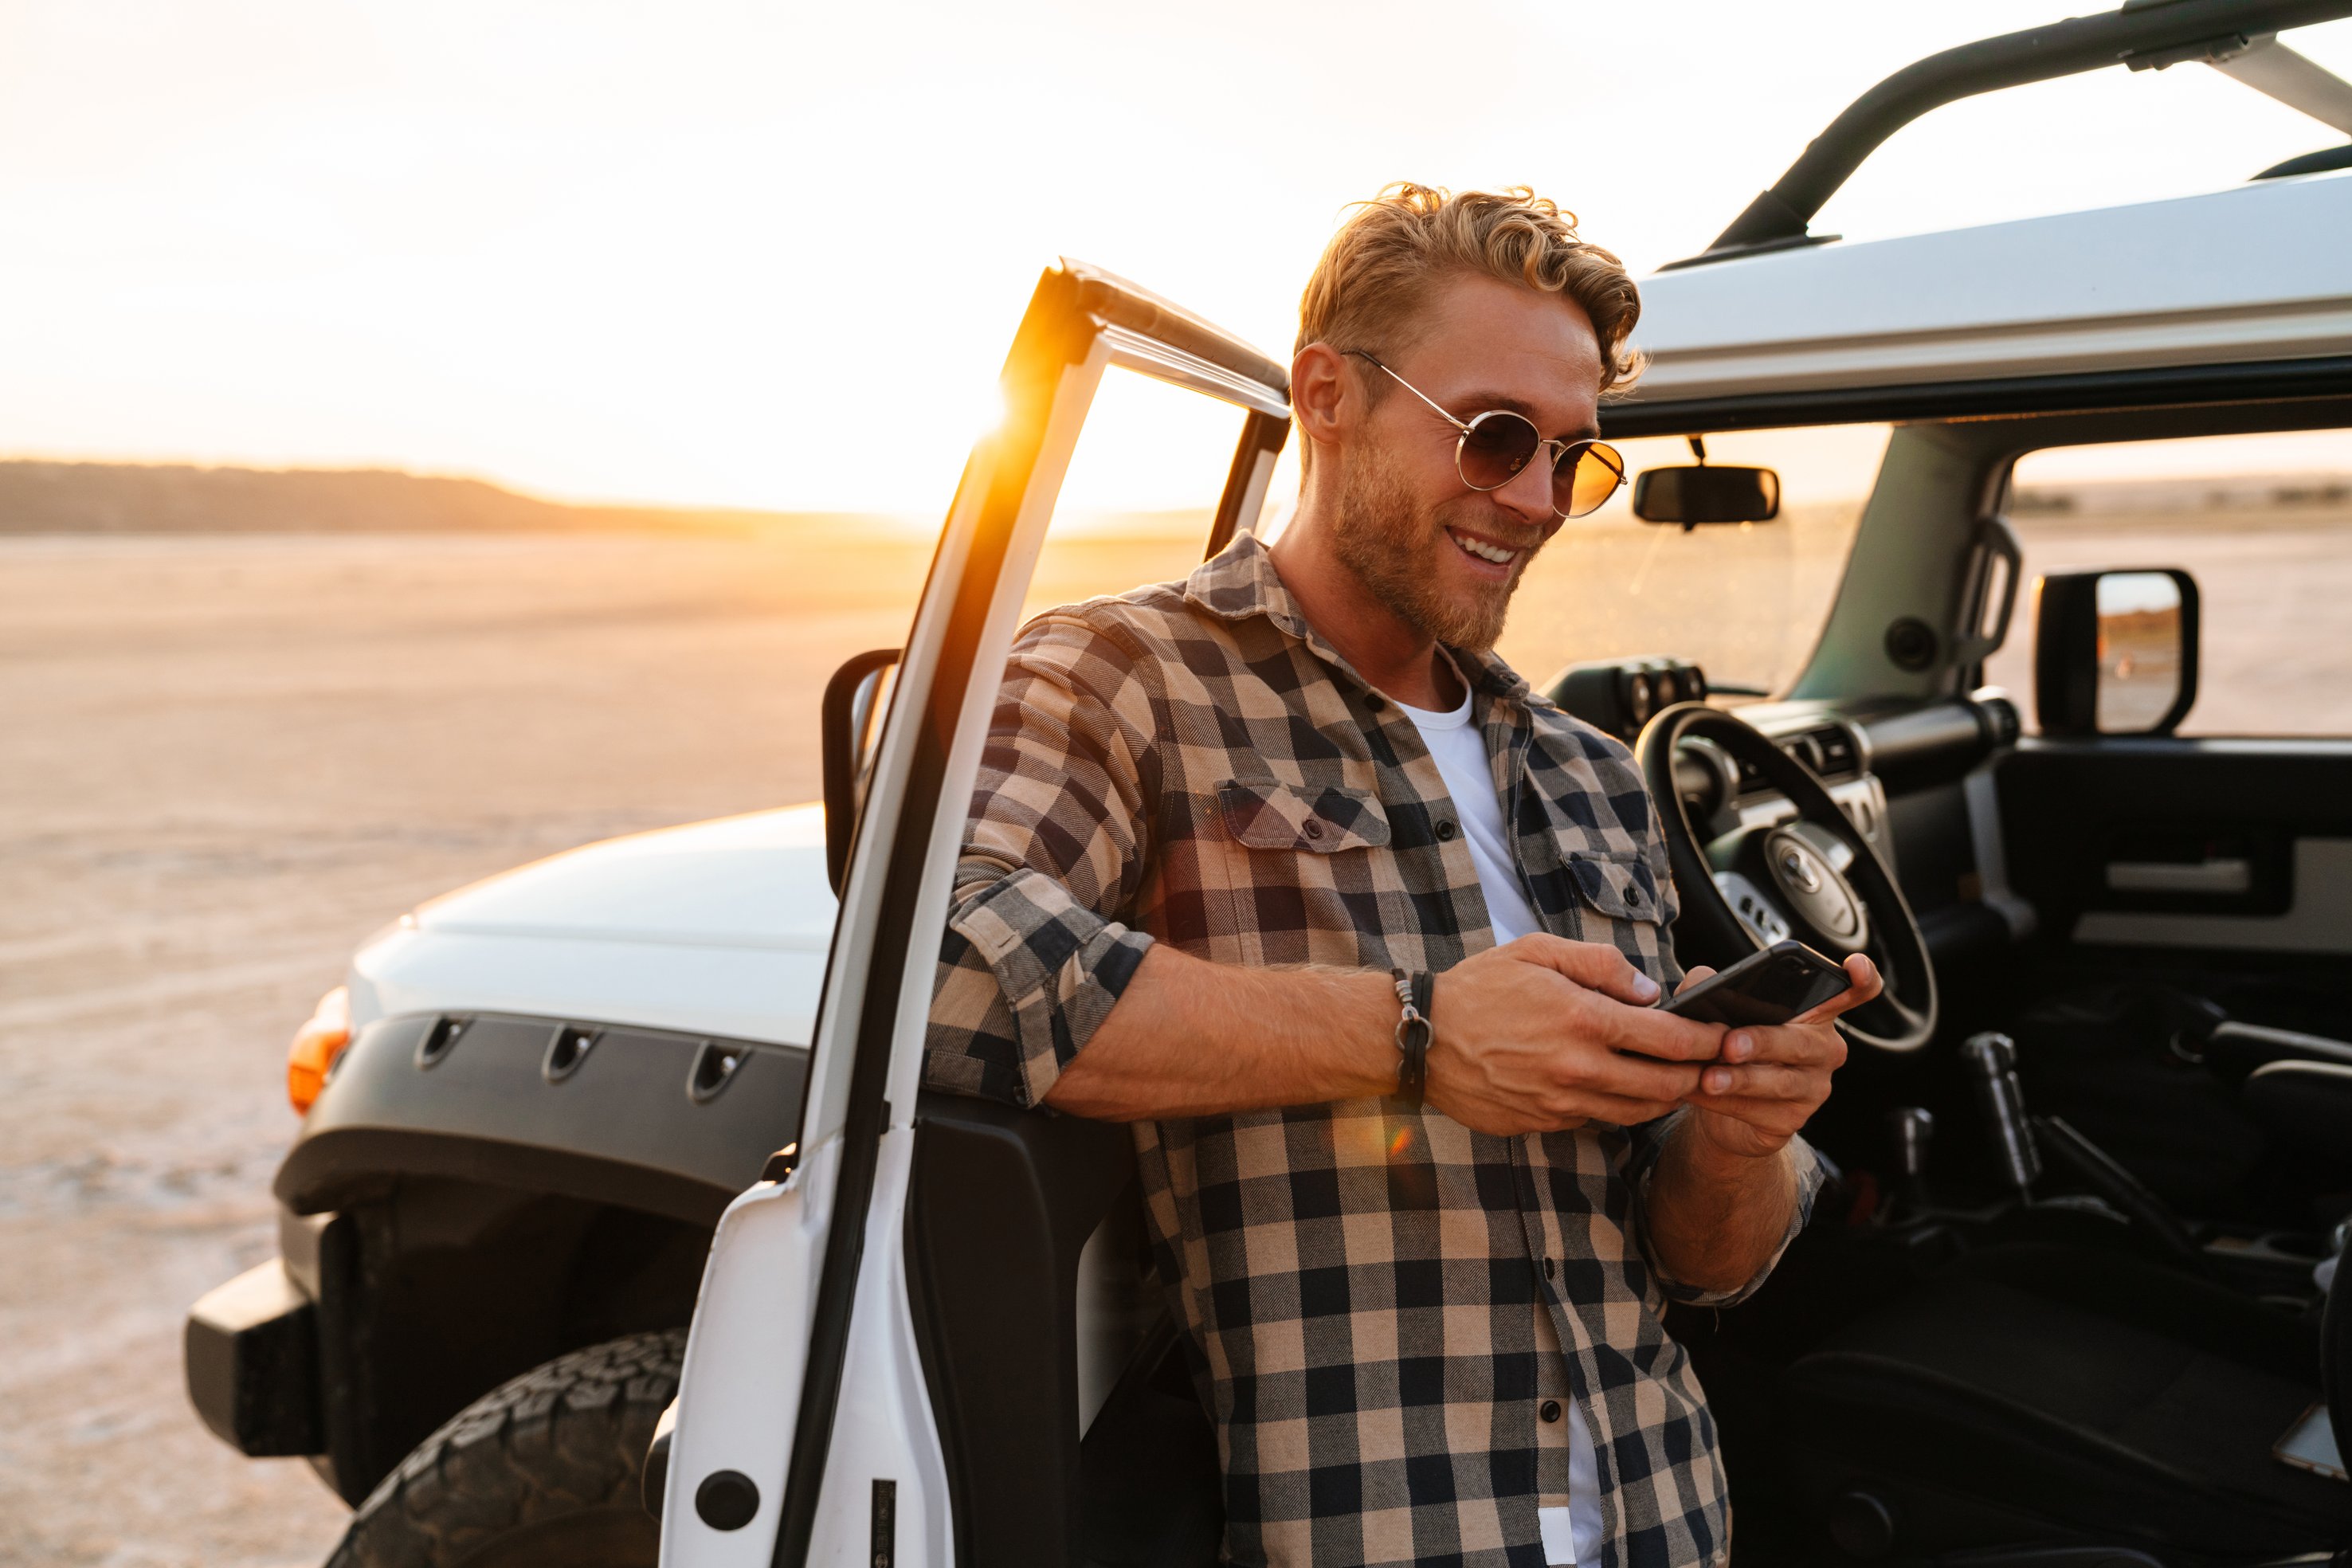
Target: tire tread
point(563, 1438)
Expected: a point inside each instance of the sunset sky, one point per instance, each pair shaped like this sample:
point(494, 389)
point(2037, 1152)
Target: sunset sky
point(768, 255)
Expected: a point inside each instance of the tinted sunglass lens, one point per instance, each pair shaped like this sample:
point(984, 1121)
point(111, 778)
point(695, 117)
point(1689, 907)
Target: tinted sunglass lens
point(1586, 477)
point(1494, 448)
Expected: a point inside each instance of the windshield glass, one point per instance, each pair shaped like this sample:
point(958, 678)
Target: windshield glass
point(1745, 602)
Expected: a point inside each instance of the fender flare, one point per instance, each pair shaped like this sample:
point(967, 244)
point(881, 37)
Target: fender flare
point(671, 1123)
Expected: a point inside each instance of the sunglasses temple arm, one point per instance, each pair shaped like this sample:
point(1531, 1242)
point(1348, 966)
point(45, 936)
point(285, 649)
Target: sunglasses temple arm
point(1424, 397)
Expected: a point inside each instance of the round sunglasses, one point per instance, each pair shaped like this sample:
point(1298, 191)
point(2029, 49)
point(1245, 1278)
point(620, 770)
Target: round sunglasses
point(1494, 446)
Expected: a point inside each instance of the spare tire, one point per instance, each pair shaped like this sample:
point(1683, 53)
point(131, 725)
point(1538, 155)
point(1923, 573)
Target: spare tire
point(541, 1472)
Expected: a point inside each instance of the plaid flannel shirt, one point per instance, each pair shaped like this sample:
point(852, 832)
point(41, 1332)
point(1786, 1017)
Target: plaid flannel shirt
point(1362, 1283)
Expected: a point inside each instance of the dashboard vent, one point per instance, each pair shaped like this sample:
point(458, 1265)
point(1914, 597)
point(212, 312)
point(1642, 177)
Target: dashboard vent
point(1829, 750)
point(1997, 715)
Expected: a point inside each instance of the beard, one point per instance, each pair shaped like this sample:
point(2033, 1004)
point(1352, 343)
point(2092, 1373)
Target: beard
point(1397, 550)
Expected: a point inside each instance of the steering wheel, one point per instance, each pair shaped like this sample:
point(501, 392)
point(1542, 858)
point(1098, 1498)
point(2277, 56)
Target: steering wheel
point(1815, 879)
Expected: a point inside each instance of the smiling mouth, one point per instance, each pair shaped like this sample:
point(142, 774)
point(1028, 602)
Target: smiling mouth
point(1484, 550)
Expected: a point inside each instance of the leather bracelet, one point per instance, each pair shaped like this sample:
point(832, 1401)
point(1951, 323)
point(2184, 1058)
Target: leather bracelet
point(1416, 994)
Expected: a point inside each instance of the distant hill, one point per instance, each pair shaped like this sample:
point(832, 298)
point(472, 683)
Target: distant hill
point(2284, 493)
point(177, 498)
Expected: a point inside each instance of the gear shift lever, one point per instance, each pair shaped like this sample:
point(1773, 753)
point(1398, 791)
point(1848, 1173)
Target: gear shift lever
point(1991, 1061)
point(2018, 1141)
point(1911, 1128)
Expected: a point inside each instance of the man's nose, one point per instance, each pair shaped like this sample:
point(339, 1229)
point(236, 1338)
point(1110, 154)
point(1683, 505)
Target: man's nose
point(1528, 494)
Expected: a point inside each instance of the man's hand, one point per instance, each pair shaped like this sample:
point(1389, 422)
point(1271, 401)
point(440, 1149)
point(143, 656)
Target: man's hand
point(1544, 1033)
point(1771, 1079)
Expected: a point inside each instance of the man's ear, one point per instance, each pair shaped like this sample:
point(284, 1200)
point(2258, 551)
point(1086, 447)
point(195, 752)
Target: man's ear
point(1323, 397)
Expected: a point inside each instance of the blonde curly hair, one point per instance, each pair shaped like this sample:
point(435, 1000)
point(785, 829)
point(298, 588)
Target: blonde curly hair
point(1374, 274)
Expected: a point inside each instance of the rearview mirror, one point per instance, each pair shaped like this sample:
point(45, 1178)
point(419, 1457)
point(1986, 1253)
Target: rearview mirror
point(1707, 493)
point(848, 723)
point(2115, 652)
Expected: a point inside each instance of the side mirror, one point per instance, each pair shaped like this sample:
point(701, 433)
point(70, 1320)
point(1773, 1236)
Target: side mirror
point(1707, 493)
point(2115, 652)
point(849, 721)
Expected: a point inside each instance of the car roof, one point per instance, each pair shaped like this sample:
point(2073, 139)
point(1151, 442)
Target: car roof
point(2259, 273)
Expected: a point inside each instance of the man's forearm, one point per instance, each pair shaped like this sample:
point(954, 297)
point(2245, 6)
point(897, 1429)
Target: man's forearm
point(1189, 1037)
point(1713, 1218)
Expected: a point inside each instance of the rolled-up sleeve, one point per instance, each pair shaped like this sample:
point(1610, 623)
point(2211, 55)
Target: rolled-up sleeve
point(1649, 1142)
point(1036, 955)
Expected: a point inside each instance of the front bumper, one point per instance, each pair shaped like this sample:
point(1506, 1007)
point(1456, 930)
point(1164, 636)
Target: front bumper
point(251, 1352)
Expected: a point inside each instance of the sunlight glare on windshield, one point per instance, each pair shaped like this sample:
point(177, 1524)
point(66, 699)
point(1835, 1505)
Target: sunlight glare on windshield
point(1745, 602)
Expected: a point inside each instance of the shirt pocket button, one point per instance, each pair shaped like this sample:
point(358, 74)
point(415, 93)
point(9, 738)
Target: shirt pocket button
point(1313, 829)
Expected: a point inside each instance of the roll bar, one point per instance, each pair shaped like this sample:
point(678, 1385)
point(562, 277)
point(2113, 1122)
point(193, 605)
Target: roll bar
point(2145, 35)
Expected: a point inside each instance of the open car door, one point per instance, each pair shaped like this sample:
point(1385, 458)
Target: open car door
point(828, 1414)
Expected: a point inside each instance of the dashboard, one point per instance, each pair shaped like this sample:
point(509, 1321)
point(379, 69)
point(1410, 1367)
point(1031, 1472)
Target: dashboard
point(1908, 763)
point(1620, 695)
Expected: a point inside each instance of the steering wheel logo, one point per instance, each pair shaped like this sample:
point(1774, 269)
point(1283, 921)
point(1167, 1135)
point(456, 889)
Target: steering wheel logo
point(1798, 868)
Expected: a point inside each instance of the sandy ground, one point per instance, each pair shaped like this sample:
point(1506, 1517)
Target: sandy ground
point(2277, 590)
point(224, 761)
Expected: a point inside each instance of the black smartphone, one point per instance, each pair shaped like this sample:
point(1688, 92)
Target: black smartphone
point(1769, 987)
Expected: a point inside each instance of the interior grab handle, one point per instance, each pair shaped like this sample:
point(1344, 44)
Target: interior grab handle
point(2230, 874)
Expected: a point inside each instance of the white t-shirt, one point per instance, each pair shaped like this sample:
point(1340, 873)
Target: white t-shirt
point(1570, 1534)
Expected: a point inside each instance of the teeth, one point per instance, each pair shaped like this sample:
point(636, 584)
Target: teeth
point(1486, 552)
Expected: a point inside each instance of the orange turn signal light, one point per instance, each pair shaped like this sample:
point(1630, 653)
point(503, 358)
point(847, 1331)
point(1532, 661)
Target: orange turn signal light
point(316, 1045)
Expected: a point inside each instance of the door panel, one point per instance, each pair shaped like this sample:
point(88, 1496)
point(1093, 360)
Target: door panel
point(804, 1385)
point(2234, 853)
point(2173, 877)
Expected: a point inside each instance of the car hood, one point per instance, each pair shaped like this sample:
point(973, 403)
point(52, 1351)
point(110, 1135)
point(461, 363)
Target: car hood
point(738, 881)
point(719, 927)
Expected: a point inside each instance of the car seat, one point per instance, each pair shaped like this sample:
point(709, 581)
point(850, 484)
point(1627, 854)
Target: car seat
point(2032, 1395)
point(2162, 1079)
point(2306, 1105)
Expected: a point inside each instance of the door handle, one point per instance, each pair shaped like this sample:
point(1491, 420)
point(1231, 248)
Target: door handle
point(2234, 874)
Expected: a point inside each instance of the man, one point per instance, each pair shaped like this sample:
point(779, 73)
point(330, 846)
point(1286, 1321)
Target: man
point(1226, 827)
